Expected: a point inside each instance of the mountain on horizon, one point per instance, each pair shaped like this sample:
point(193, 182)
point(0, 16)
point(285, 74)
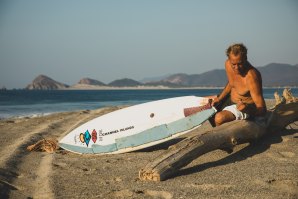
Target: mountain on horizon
point(125, 82)
point(89, 81)
point(43, 82)
point(153, 79)
point(273, 75)
point(211, 78)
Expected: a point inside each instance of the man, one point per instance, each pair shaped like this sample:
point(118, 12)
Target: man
point(244, 88)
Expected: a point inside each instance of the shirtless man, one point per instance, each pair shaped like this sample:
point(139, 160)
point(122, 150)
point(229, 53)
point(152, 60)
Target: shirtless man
point(244, 87)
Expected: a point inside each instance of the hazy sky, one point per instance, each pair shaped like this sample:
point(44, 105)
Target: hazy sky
point(108, 40)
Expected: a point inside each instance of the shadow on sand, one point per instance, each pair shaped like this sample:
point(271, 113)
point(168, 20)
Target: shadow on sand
point(254, 148)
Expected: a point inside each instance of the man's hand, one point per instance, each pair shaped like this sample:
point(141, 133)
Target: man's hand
point(240, 106)
point(215, 101)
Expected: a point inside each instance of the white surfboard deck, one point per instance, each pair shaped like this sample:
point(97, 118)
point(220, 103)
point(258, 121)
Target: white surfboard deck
point(137, 127)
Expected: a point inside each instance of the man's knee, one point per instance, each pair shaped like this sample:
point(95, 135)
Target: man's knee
point(223, 117)
point(219, 118)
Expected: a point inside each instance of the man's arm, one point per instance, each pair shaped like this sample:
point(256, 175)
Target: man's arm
point(222, 95)
point(226, 91)
point(255, 87)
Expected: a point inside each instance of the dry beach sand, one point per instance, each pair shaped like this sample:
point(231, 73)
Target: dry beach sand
point(267, 168)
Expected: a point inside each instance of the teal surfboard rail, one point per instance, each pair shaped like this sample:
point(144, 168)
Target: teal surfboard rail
point(165, 130)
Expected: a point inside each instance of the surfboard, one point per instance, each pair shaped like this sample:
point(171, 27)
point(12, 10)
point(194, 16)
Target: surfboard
point(139, 126)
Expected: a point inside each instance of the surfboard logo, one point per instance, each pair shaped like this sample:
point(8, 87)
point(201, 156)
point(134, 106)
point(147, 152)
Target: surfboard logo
point(85, 137)
point(94, 135)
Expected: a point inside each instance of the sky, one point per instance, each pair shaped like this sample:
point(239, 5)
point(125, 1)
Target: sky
point(113, 39)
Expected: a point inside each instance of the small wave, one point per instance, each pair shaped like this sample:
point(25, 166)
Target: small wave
point(20, 116)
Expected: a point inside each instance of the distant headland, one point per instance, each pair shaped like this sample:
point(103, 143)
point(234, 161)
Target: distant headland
point(274, 75)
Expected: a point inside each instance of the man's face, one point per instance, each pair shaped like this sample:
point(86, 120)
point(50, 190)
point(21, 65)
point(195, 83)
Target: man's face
point(237, 63)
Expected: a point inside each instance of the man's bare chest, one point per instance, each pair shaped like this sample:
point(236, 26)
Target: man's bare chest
point(239, 85)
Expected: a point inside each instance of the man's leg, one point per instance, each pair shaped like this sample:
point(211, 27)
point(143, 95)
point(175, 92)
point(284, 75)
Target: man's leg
point(223, 117)
point(219, 107)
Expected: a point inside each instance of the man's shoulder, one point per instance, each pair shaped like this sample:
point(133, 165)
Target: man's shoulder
point(253, 73)
point(227, 65)
point(227, 61)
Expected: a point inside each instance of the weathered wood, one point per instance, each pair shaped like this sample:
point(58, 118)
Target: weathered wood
point(223, 137)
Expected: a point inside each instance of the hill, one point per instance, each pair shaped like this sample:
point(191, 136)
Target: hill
point(125, 83)
point(88, 81)
point(153, 79)
point(273, 74)
point(88, 84)
point(43, 82)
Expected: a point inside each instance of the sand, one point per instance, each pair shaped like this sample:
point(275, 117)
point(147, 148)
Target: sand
point(267, 168)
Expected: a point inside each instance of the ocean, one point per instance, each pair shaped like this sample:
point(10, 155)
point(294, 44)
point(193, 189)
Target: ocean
point(30, 103)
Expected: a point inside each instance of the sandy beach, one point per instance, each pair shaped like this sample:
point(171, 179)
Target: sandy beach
point(267, 168)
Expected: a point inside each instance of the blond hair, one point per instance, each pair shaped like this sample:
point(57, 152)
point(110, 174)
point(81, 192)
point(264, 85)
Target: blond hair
point(237, 49)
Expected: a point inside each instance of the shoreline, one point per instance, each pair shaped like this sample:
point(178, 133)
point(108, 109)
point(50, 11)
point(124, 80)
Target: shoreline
point(140, 88)
point(42, 114)
point(167, 88)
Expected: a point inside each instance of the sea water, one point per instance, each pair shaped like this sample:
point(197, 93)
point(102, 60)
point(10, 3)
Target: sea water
point(30, 103)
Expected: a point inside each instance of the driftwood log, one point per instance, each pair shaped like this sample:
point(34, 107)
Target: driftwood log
point(223, 137)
